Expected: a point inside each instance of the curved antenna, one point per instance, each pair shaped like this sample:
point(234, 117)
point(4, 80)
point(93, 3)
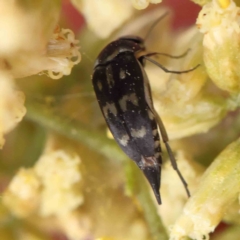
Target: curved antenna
point(154, 25)
point(167, 55)
point(167, 70)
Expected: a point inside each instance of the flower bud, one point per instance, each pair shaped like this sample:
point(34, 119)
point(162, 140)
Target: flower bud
point(219, 22)
point(218, 189)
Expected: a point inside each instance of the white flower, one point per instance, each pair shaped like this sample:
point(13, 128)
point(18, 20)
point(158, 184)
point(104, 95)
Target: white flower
point(105, 16)
point(62, 53)
point(31, 43)
point(57, 59)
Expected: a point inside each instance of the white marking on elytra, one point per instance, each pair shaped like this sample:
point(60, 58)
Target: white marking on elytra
point(131, 98)
point(109, 75)
point(122, 74)
point(157, 154)
point(109, 107)
point(138, 133)
point(124, 140)
point(156, 144)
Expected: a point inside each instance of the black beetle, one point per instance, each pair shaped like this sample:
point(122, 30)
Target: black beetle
point(124, 96)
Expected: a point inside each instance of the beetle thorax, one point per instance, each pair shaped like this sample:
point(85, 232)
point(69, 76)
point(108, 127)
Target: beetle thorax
point(123, 44)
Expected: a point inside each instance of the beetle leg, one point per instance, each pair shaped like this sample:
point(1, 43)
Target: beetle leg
point(169, 150)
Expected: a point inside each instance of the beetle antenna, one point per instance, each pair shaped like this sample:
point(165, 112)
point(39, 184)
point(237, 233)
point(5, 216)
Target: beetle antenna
point(167, 70)
point(154, 24)
point(166, 54)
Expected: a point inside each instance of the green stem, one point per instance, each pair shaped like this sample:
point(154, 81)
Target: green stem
point(98, 141)
point(76, 130)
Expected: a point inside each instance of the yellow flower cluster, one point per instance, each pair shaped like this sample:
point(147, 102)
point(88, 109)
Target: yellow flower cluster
point(50, 188)
point(219, 21)
point(22, 195)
